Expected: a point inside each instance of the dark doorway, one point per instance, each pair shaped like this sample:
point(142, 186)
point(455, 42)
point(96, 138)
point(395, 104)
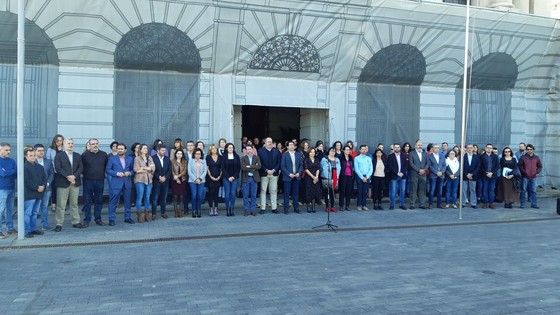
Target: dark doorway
point(280, 123)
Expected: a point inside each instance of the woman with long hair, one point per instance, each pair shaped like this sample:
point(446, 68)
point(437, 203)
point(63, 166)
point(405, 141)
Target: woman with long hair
point(406, 152)
point(144, 168)
point(214, 178)
point(378, 178)
point(510, 174)
point(452, 172)
point(330, 170)
point(178, 145)
point(312, 180)
point(231, 167)
point(179, 181)
point(346, 179)
point(197, 177)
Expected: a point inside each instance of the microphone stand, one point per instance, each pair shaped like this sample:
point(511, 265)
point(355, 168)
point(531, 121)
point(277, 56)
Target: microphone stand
point(329, 186)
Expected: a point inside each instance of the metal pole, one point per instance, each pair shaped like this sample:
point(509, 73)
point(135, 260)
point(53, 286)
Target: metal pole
point(19, 114)
point(464, 107)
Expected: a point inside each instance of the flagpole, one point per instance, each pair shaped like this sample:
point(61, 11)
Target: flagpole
point(464, 107)
point(19, 115)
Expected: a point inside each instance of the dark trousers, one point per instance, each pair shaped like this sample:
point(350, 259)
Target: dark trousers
point(291, 187)
point(159, 197)
point(345, 184)
point(378, 184)
point(93, 195)
point(213, 196)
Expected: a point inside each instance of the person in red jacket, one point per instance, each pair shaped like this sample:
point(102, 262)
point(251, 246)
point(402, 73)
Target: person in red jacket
point(530, 166)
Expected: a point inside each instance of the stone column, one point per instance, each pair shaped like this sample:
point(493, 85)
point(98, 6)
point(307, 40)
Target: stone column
point(506, 5)
point(522, 5)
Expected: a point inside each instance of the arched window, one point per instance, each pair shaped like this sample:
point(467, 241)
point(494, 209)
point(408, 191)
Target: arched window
point(388, 108)
point(41, 82)
point(156, 85)
point(287, 53)
point(489, 108)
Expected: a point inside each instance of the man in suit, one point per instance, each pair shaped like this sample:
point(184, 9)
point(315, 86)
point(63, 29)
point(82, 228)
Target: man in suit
point(396, 164)
point(250, 178)
point(94, 162)
point(69, 168)
point(489, 166)
point(49, 172)
point(437, 176)
point(120, 168)
point(270, 169)
point(162, 174)
point(471, 168)
point(292, 168)
point(418, 160)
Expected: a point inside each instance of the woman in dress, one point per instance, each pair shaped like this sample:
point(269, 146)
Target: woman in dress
point(452, 171)
point(231, 167)
point(346, 178)
point(378, 178)
point(510, 173)
point(330, 169)
point(312, 181)
point(197, 177)
point(143, 178)
point(214, 178)
point(179, 181)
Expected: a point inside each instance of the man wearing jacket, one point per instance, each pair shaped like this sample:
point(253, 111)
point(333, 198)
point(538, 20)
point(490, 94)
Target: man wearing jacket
point(471, 168)
point(8, 174)
point(270, 169)
point(47, 165)
point(489, 166)
point(120, 168)
point(34, 186)
point(396, 163)
point(530, 166)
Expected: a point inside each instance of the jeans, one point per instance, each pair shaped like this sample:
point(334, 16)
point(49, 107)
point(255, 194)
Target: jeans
point(7, 198)
point(291, 187)
point(488, 189)
point(115, 196)
point(159, 197)
point(250, 195)
point(451, 190)
point(44, 208)
point(93, 194)
point(30, 214)
point(397, 185)
point(529, 191)
point(143, 192)
point(362, 192)
point(469, 188)
point(436, 187)
point(197, 194)
point(230, 189)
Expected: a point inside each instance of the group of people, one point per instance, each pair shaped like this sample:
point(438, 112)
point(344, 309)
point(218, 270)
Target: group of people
point(309, 175)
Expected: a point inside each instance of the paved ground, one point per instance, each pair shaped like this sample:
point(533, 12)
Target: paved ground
point(380, 262)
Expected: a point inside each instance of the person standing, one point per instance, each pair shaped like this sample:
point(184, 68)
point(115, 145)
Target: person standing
point(270, 169)
point(452, 171)
point(250, 178)
point(48, 167)
point(214, 178)
point(292, 167)
point(363, 166)
point(489, 166)
point(179, 180)
point(188, 157)
point(144, 168)
point(330, 170)
point(346, 179)
point(418, 167)
point(378, 178)
point(8, 174)
point(312, 180)
point(68, 166)
point(34, 185)
point(197, 170)
point(510, 174)
point(522, 150)
point(57, 145)
point(437, 176)
point(120, 168)
point(471, 168)
point(231, 166)
point(397, 173)
point(93, 176)
point(162, 175)
point(530, 166)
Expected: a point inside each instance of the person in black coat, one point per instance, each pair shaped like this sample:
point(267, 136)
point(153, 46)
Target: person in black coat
point(35, 184)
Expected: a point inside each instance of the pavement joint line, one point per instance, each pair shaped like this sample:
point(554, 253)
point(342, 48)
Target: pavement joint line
point(271, 233)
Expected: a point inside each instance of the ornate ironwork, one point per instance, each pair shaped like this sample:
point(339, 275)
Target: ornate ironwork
point(287, 53)
point(157, 46)
point(399, 64)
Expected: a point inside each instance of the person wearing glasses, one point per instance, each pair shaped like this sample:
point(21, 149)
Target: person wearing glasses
point(510, 173)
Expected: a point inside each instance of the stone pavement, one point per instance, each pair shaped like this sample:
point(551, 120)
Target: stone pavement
point(497, 261)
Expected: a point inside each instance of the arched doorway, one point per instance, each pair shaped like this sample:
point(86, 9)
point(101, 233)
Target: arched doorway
point(156, 85)
point(41, 82)
point(389, 96)
point(489, 101)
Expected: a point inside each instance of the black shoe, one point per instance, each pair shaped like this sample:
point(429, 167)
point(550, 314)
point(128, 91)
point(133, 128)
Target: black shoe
point(99, 222)
point(85, 224)
point(37, 232)
point(111, 223)
point(130, 221)
point(164, 215)
point(391, 208)
point(473, 206)
point(422, 207)
point(28, 235)
point(297, 211)
point(261, 212)
point(535, 207)
point(403, 207)
point(78, 226)
point(285, 211)
point(198, 214)
point(58, 228)
point(275, 211)
point(380, 207)
point(411, 208)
